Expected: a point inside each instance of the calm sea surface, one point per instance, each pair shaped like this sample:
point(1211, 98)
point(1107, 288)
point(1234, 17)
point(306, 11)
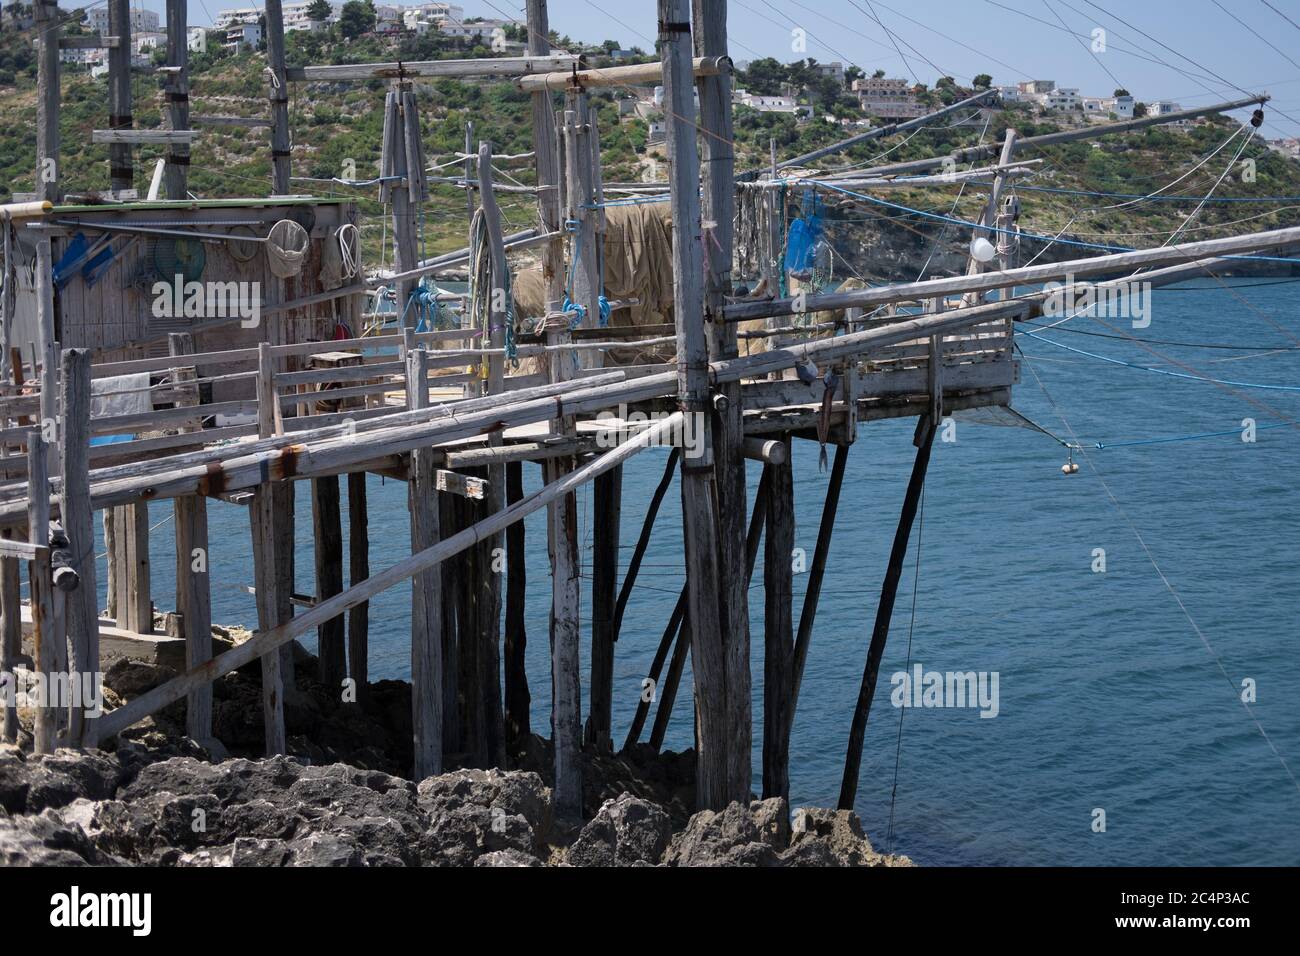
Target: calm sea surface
point(1118, 690)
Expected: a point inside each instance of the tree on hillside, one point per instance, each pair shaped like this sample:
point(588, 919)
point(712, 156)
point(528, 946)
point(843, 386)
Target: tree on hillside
point(358, 17)
point(1121, 92)
point(982, 82)
point(319, 11)
point(765, 76)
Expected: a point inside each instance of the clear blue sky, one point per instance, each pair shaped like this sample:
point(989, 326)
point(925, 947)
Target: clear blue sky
point(1005, 41)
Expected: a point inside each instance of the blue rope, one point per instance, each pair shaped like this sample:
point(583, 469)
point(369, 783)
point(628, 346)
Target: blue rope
point(1161, 441)
point(1012, 232)
point(1161, 371)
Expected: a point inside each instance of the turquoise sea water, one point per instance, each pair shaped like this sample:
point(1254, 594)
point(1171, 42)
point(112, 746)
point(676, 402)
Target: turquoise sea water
point(1108, 696)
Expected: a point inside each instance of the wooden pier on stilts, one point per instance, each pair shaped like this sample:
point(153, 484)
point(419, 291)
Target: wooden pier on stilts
point(218, 409)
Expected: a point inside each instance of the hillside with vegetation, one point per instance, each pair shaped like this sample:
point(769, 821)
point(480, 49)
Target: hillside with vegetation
point(337, 127)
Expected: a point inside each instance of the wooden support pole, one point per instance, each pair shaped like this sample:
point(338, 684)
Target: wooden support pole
point(193, 585)
point(358, 570)
point(11, 631)
point(271, 576)
point(138, 579)
point(278, 94)
point(327, 530)
point(608, 496)
point(41, 591)
point(177, 87)
point(778, 646)
point(643, 541)
point(816, 573)
point(884, 611)
point(121, 172)
point(517, 697)
point(48, 23)
point(668, 691)
point(580, 196)
point(489, 617)
point(718, 210)
point(405, 226)
point(426, 592)
point(562, 544)
point(717, 782)
point(546, 156)
point(79, 525)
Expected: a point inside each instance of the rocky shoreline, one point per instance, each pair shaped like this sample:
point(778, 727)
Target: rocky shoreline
point(340, 798)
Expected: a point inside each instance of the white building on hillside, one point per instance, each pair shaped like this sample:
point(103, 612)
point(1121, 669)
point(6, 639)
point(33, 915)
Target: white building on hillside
point(888, 98)
point(243, 36)
point(142, 21)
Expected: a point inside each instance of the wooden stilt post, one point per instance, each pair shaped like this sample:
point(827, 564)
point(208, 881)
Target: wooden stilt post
point(358, 570)
point(561, 516)
point(426, 596)
point(452, 612)
point(643, 541)
point(656, 690)
point(778, 645)
point(11, 631)
point(580, 195)
point(566, 691)
point(668, 691)
point(398, 149)
point(176, 172)
point(812, 594)
point(41, 592)
point(517, 697)
point(608, 495)
point(79, 525)
point(139, 585)
point(327, 529)
point(884, 611)
point(121, 172)
point(498, 313)
point(278, 94)
point(193, 586)
point(267, 563)
point(719, 211)
point(48, 22)
point(716, 784)
point(545, 149)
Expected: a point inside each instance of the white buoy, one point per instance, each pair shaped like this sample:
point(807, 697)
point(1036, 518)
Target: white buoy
point(1070, 468)
point(982, 249)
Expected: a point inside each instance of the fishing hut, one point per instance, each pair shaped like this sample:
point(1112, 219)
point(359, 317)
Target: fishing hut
point(324, 389)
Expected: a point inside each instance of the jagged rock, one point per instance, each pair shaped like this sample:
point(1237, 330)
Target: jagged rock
point(829, 838)
point(772, 818)
point(45, 839)
point(627, 831)
point(32, 783)
point(729, 838)
point(507, 858)
point(130, 678)
point(472, 812)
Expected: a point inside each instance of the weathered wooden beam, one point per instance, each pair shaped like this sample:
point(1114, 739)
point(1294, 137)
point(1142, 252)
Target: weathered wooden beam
point(142, 137)
point(40, 589)
point(816, 574)
point(607, 508)
point(327, 532)
point(778, 636)
point(176, 84)
point(495, 66)
point(717, 784)
point(615, 76)
point(884, 612)
point(426, 592)
point(278, 95)
point(517, 697)
point(78, 523)
point(358, 571)
point(49, 24)
point(267, 542)
point(718, 210)
point(121, 172)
